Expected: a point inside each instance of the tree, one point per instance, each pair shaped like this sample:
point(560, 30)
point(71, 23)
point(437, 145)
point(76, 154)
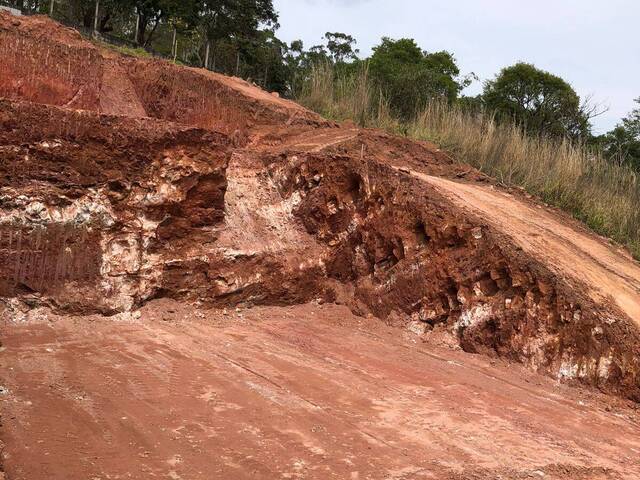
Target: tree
point(264, 62)
point(409, 77)
point(236, 20)
point(300, 63)
point(340, 46)
point(294, 59)
point(83, 11)
point(623, 142)
point(541, 102)
point(151, 13)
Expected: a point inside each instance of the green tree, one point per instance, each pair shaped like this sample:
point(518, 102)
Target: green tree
point(539, 101)
point(409, 77)
point(237, 21)
point(82, 12)
point(623, 142)
point(295, 59)
point(152, 13)
point(300, 63)
point(341, 46)
point(264, 62)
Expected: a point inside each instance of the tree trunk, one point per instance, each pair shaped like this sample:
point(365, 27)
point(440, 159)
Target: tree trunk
point(50, 7)
point(104, 21)
point(142, 29)
point(95, 17)
point(174, 44)
point(135, 35)
point(143, 26)
point(206, 55)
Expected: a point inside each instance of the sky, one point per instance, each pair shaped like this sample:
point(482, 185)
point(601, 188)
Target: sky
point(592, 44)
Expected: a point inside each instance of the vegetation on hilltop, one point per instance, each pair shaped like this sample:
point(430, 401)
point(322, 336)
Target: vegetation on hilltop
point(573, 176)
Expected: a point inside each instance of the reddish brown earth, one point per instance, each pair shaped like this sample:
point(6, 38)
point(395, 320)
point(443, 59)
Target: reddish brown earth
point(307, 391)
point(140, 201)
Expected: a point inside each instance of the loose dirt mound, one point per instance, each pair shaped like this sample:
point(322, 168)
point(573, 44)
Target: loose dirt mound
point(126, 180)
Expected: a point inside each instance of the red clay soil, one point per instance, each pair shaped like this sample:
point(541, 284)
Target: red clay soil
point(140, 199)
point(308, 391)
point(45, 62)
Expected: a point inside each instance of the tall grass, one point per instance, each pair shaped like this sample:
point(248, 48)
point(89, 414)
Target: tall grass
point(346, 97)
point(603, 194)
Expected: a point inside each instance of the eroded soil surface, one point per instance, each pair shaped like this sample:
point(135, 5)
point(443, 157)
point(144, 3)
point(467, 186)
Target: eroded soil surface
point(308, 391)
point(140, 201)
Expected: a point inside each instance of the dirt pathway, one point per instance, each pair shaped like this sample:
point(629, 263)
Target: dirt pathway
point(608, 273)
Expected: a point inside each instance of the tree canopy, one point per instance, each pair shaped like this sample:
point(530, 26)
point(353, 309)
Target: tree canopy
point(538, 100)
point(410, 77)
point(341, 46)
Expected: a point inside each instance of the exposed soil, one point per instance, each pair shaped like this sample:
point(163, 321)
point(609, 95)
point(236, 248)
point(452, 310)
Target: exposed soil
point(308, 391)
point(139, 199)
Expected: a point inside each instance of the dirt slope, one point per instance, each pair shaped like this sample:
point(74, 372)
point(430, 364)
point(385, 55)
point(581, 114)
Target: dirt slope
point(609, 273)
point(309, 391)
point(124, 181)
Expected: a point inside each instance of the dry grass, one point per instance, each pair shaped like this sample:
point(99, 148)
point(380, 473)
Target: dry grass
point(602, 194)
point(346, 97)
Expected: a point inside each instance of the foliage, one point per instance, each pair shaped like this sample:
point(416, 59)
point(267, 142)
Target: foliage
point(236, 19)
point(623, 142)
point(410, 77)
point(340, 46)
point(539, 101)
point(179, 14)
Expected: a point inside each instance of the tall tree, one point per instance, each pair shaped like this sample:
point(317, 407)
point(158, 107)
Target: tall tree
point(410, 77)
point(265, 62)
point(151, 13)
point(341, 46)
point(237, 20)
point(538, 100)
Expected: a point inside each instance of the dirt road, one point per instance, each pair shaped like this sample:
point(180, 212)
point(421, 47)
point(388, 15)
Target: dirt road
point(307, 392)
point(571, 252)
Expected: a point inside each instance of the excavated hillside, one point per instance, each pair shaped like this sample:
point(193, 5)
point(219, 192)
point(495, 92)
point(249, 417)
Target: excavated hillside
point(200, 279)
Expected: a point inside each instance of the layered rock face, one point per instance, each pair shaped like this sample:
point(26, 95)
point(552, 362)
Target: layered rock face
point(93, 206)
point(124, 180)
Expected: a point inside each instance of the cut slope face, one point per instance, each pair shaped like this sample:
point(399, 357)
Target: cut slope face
point(609, 274)
point(44, 62)
point(124, 180)
point(92, 206)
